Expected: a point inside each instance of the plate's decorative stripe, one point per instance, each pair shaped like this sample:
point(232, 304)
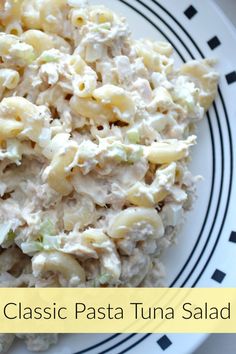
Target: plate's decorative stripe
point(190, 12)
point(135, 344)
point(214, 42)
point(117, 344)
point(98, 344)
point(218, 276)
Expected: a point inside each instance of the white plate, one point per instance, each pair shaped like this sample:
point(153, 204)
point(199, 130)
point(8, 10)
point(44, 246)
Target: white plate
point(206, 249)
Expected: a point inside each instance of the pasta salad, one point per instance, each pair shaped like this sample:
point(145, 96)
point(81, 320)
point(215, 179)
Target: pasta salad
point(95, 136)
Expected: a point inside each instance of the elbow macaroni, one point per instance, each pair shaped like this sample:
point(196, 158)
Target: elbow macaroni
point(20, 110)
point(30, 14)
point(207, 80)
point(150, 58)
point(120, 101)
point(14, 28)
point(126, 220)
point(84, 79)
point(79, 17)
point(39, 40)
point(91, 109)
point(15, 51)
point(10, 128)
point(9, 78)
point(58, 263)
point(101, 15)
point(150, 195)
point(56, 174)
point(166, 152)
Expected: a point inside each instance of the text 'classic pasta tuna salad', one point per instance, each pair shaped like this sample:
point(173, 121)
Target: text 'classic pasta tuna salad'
point(95, 136)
